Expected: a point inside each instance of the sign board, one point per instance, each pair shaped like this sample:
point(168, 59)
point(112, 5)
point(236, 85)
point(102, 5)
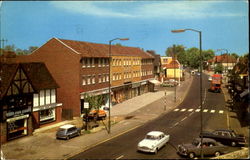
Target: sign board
point(86, 105)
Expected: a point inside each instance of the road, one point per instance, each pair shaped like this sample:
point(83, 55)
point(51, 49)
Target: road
point(182, 124)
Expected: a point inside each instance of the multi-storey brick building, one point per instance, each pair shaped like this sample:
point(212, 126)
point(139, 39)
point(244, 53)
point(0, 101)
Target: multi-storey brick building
point(83, 67)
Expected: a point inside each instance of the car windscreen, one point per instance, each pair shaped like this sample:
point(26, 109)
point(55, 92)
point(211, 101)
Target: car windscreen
point(150, 137)
point(195, 142)
point(61, 130)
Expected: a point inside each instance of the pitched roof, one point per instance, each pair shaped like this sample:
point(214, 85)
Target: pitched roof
point(88, 49)
point(173, 64)
point(37, 73)
point(223, 59)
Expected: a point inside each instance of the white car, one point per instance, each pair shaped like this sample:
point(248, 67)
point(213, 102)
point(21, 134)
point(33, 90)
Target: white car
point(153, 141)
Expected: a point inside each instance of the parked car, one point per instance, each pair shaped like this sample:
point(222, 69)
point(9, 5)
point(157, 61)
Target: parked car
point(153, 141)
point(225, 136)
point(209, 147)
point(167, 84)
point(68, 131)
point(95, 114)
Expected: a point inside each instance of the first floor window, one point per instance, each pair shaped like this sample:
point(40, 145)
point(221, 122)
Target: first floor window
point(83, 81)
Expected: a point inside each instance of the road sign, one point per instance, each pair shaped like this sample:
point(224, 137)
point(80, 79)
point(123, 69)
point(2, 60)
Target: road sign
point(86, 105)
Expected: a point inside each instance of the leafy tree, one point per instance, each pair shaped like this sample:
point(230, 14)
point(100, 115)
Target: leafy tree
point(193, 57)
point(179, 50)
point(235, 55)
point(32, 48)
point(10, 48)
point(95, 102)
point(218, 68)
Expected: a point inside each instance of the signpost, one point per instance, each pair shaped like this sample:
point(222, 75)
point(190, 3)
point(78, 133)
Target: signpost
point(86, 107)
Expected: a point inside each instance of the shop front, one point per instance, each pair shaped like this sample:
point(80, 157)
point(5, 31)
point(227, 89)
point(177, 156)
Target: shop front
point(136, 89)
point(144, 87)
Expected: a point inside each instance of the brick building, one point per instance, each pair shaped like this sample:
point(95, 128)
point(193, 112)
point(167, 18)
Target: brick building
point(83, 67)
point(28, 99)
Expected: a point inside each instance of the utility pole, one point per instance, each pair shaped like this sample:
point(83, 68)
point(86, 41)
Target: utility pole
point(2, 44)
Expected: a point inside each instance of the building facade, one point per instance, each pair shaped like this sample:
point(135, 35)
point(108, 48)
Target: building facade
point(82, 68)
point(21, 113)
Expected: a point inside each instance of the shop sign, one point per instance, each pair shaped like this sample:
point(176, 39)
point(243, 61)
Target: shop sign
point(86, 105)
point(19, 112)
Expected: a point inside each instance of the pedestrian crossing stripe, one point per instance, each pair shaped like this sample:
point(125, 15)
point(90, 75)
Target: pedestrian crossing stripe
point(221, 111)
point(212, 111)
point(176, 110)
point(190, 110)
point(205, 110)
point(183, 110)
point(197, 110)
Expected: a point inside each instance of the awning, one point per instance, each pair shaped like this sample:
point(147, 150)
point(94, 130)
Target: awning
point(244, 93)
point(154, 81)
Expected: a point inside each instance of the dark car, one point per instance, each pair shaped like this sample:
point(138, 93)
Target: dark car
point(209, 147)
point(68, 131)
point(225, 136)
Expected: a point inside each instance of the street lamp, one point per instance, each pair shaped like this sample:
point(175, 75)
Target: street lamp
point(110, 63)
point(201, 60)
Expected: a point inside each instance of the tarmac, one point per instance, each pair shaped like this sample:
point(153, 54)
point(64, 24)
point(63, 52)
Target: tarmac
point(125, 117)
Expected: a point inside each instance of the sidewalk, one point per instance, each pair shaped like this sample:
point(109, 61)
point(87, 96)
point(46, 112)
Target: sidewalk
point(126, 116)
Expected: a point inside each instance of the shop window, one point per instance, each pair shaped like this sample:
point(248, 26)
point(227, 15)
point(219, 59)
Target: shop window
point(47, 115)
point(17, 128)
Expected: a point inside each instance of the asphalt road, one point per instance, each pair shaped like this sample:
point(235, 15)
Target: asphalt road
point(182, 124)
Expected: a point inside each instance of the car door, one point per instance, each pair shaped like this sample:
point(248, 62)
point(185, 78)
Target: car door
point(161, 140)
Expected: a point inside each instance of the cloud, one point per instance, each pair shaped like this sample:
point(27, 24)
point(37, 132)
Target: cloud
point(147, 9)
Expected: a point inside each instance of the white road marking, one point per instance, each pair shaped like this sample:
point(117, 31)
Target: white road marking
point(191, 113)
point(190, 110)
point(176, 110)
point(205, 110)
point(212, 111)
point(197, 110)
point(183, 110)
point(183, 118)
point(120, 157)
point(221, 111)
point(176, 124)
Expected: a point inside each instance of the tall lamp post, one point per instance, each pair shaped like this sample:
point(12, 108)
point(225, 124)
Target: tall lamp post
point(201, 61)
point(110, 63)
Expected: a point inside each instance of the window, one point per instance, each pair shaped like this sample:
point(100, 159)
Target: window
point(53, 96)
point(113, 77)
point(83, 63)
point(93, 79)
point(103, 78)
point(83, 81)
point(93, 62)
point(41, 97)
point(88, 62)
point(35, 100)
point(89, 80)
point(99, 62)
point(47, 96)
point(100, 78)
point(107, 77)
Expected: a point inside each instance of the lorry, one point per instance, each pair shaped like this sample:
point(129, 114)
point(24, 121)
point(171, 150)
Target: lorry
point(215, 84)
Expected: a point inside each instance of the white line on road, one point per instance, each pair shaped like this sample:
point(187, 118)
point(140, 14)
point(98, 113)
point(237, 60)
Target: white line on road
point(197, 110)
point(183, 118)
point(176, 110)
point(190, 110)
point(176, 124)
point(212, 111)
point(191, 113)
point(205, 110)
point(120, 157)
point(183, 110)
point(221, 111)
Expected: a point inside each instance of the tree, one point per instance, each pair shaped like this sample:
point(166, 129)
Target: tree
point(218, 68)
point(32, 48)
point(235, 55)
point(179, 50)
point(10, 48)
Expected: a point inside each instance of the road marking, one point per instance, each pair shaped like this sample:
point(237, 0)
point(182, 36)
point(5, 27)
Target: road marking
point(190, 110)
point(183, 110)
point(120, 157)
point(221, 111)
point(176, 110)
point(212, 111)
point(183, 119)
point(205, 110)
point(191, 113)
point(176, 124)
point(197, 110)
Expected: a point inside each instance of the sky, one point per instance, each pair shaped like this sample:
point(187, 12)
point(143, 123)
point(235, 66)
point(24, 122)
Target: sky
point(147, 24)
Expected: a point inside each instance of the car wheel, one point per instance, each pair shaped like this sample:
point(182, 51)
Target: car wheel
point(233, 144)
point(191, 155)
point(217, 153)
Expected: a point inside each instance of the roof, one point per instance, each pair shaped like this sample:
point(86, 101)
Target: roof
point(173, 64)
point(67, 126)
point(88, 49)
point(37, 73)
point(223, 59)
point(155, 133)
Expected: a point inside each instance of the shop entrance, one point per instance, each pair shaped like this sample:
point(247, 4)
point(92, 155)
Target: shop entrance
point(17, 129)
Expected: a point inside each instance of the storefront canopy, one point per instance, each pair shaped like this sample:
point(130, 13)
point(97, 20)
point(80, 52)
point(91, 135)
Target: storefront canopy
point(154, 81)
